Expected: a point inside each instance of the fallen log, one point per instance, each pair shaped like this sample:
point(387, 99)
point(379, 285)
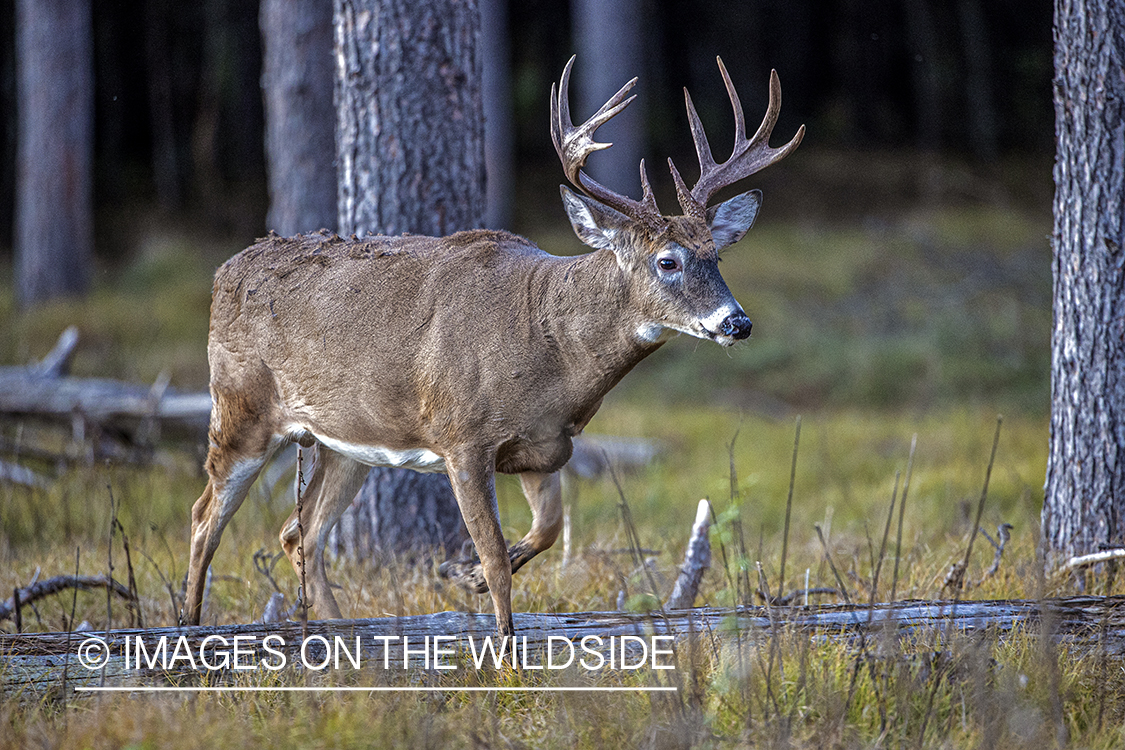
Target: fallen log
point(32, 664)
point(111, 405)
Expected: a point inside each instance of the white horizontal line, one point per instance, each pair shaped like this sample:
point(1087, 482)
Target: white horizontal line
point(361, 689)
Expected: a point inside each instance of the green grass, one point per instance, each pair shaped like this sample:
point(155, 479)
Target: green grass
point(928, 325)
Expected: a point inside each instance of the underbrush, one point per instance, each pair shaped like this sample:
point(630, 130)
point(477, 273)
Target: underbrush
point(734, 689)
point(898, 343)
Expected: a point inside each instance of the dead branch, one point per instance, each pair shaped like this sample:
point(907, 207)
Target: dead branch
point(697, 560)
point(16, 474)
point(54, 585)
point(1094, 558)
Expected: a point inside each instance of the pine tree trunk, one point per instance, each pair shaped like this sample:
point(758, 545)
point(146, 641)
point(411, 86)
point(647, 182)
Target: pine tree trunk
point(410, 155)
point(400, 515)
point(298, 71)
point(1084, 507)
point(499, 128)
point(607, 37)
point(55, 144)
point(409, 119)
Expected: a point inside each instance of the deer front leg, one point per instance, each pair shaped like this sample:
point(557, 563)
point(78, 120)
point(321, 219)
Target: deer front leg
point(544, 495)
point(474, 485)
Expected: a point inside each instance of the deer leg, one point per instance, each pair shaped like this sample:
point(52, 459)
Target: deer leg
point(544, 495)
point(474, 485)
point(332, 486)
point(230, 473)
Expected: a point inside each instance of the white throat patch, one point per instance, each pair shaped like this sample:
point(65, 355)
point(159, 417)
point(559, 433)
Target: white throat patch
point(654, 333)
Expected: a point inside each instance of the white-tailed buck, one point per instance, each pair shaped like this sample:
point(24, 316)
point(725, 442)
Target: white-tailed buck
point(470, 354)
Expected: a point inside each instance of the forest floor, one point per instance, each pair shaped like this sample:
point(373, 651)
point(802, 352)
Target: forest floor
point(913, 327)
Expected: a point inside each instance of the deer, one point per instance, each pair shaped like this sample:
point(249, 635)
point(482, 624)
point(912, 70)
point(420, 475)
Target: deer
point(472, 354)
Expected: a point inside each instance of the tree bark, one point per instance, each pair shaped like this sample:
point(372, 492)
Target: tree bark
point(54, 169)
point(607, 37)
point(297, 78)
point(410, 155)
point(499, 126)
point(400, 515)
point(1084, 506)
point(409, 127)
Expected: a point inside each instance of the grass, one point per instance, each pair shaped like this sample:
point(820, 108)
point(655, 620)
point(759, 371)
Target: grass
point(928, 325)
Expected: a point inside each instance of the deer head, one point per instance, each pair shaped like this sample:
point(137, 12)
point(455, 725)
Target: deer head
point(674, 259)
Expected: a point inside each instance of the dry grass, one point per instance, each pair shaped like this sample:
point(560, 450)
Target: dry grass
point(925, 325)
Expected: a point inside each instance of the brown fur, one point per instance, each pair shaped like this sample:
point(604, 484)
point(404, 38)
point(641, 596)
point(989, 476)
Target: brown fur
point(478, 347)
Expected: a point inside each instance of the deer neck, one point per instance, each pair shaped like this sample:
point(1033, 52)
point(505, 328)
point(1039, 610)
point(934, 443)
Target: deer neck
point(594, 317)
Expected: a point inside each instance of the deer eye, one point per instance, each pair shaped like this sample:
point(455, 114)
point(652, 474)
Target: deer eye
point(668, 264)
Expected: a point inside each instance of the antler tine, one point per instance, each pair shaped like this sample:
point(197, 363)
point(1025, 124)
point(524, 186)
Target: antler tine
point(748, 156)
point(574, 144)
point(648, 200)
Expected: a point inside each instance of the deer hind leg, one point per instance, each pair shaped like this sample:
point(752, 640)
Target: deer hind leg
point(544, 495)
point(331, 487)
point(231, 470)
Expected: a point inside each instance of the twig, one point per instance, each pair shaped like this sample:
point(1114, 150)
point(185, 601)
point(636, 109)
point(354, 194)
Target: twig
point(70, 625)
point(832, 565)
point(1093, 558)
point(955, 579)
point(264, 563)
point(789, 508)
point(883, 544)
point(632, 536)
point(164, 579)
point(301, 540)
point(16, 607)
point(1003, 533)
point(697, 559)
point(109, 559)
point(901, 510)
point(31, 593)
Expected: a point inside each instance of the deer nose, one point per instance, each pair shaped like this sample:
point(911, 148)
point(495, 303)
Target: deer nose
point(737, 326)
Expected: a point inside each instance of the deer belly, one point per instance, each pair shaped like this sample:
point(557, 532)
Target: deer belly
point(419, 459)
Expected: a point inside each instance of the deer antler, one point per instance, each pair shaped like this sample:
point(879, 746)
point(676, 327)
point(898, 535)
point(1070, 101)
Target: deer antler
point(749, 155)
point(575, 144)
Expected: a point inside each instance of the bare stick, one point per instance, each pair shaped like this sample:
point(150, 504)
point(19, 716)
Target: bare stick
point(1004, 534)
point(109, 560)
point(1094, 558)
point(35, 591)
point(136, 595)
point(901, 510)
point(697, 560)
point(832, 565)
point(980, 504)
point(883, 546)
point(788, 509)
point(70, 626)
point(632, 536)
point(301, 536)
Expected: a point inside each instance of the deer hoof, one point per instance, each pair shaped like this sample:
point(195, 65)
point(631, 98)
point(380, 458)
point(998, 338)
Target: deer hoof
point(468, 574)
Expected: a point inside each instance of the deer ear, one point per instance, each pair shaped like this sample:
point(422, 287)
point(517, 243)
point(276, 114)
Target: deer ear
point(595, 223)
point(731, 220)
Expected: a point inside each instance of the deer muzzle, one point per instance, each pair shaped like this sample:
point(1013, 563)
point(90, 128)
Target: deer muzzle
point(736, 325)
